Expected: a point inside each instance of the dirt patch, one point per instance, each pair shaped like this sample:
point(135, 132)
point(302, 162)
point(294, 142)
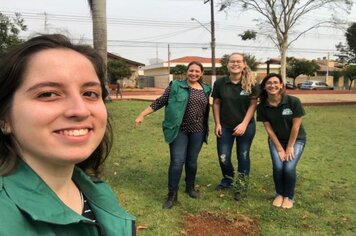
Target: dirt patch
point(212, 224)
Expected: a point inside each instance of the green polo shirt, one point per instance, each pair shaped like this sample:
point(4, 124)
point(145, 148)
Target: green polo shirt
point(234, 101)
point(281, 117)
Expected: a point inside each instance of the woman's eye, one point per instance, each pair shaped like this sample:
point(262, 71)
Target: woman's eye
point(47, 95)
point(91, 94)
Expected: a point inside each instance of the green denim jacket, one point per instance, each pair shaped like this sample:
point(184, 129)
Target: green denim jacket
point(175, 109)
point(28, 207)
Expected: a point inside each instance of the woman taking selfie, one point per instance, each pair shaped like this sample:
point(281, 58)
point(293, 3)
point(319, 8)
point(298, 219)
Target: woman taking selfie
point(55, 135)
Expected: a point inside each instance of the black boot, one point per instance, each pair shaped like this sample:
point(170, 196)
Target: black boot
point(190, 190)
point(171, 200)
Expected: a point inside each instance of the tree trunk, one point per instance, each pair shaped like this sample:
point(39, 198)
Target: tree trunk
point(98, 10)
point(283, 52)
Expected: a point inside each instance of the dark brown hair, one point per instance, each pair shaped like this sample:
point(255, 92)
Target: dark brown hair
point(263, 93)
point(198, 64)
point(12, 68)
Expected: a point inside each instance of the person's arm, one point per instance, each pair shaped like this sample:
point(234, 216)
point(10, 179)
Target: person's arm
point(241, 128)
point(156, 105)
point(139, 119)
point(297, 121)
point(274, 139)
point(216, 112)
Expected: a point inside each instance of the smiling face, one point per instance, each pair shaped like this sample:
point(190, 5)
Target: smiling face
point(57, 115)
point(236, 63)
point(274, 86)
point(194, 73)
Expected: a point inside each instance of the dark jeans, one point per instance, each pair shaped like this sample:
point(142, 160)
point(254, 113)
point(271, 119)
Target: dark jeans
point(224, 147)
point(184, 150)
point(284, 172)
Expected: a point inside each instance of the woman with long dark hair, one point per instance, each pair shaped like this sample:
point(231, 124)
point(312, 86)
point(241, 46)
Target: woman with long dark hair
point(281, 115)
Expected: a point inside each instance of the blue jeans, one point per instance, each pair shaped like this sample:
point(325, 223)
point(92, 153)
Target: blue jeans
point(224, 148)
point(184, 150)
point(285, 172)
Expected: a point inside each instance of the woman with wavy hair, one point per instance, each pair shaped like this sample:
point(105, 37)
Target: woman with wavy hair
point(234, 105)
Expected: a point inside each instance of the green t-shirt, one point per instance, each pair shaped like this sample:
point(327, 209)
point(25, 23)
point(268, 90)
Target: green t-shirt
point(281, 117)
point(234, 101)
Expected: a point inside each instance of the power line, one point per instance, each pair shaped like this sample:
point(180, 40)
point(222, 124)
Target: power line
point(187, 26)
point(144, 22)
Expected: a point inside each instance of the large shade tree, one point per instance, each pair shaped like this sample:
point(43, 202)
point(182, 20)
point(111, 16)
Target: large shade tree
point(347, 53)
point(118, 70)
point(281, 20)
point(350, 74)
point(298, 67)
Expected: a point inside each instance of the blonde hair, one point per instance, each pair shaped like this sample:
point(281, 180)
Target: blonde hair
point(247, 78)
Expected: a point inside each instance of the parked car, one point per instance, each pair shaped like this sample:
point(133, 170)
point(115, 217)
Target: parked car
point(315, 85)
point(289, 85)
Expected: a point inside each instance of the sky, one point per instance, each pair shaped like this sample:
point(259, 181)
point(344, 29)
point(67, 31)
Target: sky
point(146, 30)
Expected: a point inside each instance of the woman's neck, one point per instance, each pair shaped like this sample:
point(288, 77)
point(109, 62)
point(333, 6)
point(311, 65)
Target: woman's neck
point(194, 84)
point(235, 78)
point(274, 99)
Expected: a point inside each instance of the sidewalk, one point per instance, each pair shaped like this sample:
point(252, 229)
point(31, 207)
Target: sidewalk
point(308, 98)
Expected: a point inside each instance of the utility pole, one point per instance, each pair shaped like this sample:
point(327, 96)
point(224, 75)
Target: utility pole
point(169, 64)
point(327, 68)
point(45, 23)
point(212, 44)
point(212, 25)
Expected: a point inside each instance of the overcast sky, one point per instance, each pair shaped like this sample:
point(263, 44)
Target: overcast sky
point(141, 30)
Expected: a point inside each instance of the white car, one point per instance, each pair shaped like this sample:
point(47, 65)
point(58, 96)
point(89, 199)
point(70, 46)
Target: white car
point(315, 85)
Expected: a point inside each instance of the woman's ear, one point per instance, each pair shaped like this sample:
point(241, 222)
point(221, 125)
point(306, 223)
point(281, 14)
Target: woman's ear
point(5, 127)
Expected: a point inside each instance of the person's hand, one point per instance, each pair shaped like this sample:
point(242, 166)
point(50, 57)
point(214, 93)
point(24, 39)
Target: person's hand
point(218, 130)
point(139, 120)
point(240, 129)
point(289, 153)
point(282, 154)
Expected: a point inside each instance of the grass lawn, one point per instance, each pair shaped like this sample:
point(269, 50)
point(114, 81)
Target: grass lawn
point(325, 198)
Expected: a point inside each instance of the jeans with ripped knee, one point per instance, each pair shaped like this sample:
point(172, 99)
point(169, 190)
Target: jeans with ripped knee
point(224, 148)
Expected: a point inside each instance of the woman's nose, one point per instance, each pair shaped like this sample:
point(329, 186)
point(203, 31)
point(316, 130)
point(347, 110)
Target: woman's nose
point(77, 107)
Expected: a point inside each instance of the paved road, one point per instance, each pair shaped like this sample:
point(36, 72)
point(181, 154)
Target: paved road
point(332, 97)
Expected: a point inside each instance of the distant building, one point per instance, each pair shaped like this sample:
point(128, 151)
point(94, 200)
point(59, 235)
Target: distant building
point(134, 66)
point(160, 71)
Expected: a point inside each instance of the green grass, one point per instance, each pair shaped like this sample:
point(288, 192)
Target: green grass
point(325, 192)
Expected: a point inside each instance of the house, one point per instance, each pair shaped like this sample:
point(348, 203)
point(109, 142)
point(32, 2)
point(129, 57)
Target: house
point(162, 77)
point(135, 68)
point(272, 65)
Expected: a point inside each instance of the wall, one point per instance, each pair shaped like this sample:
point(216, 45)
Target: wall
point(162, 81)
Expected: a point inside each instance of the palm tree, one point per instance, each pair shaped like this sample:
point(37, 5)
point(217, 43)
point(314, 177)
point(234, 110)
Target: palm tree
point(98, 12)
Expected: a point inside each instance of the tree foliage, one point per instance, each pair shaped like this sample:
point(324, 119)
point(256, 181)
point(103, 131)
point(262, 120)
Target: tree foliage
point(350, 73)
point(248, 34)
point(347, 53)
point(296, 67)
point(280, 20)
point(251, 61)
point(179, 69)
point(10, 28)
point(118, 69)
